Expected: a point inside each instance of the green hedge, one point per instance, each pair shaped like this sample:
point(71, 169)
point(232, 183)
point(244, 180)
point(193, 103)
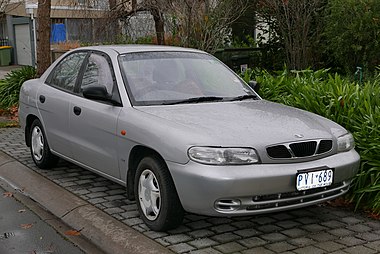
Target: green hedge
point(11, 84)
point(354, 106)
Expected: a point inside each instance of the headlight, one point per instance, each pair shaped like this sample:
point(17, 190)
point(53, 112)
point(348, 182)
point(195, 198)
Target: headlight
point(345, 143)
point(223, 156)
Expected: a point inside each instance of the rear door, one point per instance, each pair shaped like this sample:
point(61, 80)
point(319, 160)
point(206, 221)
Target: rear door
point(93, 123)
point(53, 102)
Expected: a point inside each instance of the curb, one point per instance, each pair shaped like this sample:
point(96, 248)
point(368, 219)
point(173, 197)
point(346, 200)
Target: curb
point(101, 229)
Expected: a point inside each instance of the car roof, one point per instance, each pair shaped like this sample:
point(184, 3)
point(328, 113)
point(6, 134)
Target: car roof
point(131, 48)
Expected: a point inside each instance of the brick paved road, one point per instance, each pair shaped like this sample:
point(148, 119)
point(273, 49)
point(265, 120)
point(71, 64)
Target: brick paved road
point(318, 229)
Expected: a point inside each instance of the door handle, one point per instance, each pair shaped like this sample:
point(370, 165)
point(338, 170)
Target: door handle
point(77, 110)
point(42, 98)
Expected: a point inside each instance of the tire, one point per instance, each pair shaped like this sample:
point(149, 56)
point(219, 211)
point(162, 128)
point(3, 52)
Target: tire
point(156, 196)
point(39, 147)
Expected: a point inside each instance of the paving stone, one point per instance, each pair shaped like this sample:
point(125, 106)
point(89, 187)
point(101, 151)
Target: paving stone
point(373, 224)
point(282, 216)
point(114, 210)
point(368, 236)
point(181, 248)
point(309, 250)
point(96, 200)
point(252, 242)
point(322, 237)
point(243, 224)
point(258, 250)
point(314, 228)
point(223, 228)
point(333, 224)
point(307, 220)
point(206, 251)
point(195, 217)
point(162, 242)
point(330, 246)
point(200, 233)
point(350, 241)
point(301, 241)
point(203, 243)
point(179, 230)
point(247, 232)
point(154, 234)
point(288, 224)
point(198, 224)
point(173, 239)
point(225, 237)
point(361, 228)
point(232, 247)
point(269, 228)
point(360, 249)
point(295, 232)
point(280, 246)
point(263, 220)
point(341, 232)
point(374, 245)
point(351, 220)
point(273, 237)
point(133, 221)
point(96, 195)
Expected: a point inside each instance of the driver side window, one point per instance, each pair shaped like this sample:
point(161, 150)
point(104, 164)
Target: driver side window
point(97, 73)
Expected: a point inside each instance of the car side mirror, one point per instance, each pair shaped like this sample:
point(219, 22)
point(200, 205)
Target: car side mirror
point(254, 85)
point(99, 93)
point(96, 93)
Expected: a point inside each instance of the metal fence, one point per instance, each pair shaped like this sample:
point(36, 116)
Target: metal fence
point(4, 42)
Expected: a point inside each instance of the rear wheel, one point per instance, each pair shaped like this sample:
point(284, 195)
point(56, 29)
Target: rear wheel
point(39, 147)
point(156, 196)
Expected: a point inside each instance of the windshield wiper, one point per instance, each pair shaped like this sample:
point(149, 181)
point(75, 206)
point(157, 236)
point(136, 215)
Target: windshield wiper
point(244, 97)
point(195, 100)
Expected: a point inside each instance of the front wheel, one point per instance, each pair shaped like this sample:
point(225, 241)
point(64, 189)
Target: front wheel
point(39, 147)
point(157, 198)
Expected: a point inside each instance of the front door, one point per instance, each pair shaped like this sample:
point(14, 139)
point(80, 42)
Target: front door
point(93, 123)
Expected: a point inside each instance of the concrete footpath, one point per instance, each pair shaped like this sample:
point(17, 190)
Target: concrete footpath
point(108, 234)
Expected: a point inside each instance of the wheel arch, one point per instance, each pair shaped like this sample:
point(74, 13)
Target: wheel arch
point(29, 120)
point(136, 155)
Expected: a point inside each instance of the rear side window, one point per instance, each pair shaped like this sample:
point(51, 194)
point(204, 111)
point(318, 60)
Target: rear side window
point(65, 74)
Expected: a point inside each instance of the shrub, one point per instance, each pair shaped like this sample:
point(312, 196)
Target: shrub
point(11, 84)
point(354, 106)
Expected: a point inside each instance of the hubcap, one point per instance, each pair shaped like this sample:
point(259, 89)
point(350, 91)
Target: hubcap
point(37, 143)
point(149, 195)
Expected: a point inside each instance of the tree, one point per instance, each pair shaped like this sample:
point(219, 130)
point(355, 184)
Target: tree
point(43, 36)
point(352, 33)
point(296, 22)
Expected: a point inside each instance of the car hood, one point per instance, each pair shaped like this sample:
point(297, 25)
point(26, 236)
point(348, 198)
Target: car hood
point(245, 123)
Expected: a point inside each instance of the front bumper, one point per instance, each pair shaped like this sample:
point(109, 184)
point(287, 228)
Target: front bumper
point(258, 188)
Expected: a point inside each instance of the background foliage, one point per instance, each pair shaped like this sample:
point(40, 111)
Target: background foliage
point(354, 106)
point(11, 84)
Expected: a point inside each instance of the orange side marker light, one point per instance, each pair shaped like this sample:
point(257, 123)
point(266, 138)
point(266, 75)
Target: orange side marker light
point(123, 132)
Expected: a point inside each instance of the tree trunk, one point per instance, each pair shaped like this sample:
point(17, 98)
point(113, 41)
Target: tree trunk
point(43, 36)
point(159, 25)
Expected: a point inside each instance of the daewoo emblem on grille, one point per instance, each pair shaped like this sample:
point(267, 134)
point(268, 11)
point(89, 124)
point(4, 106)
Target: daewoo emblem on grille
point(298, 135)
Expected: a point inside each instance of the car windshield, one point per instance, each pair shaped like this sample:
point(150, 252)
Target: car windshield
point(156, 78)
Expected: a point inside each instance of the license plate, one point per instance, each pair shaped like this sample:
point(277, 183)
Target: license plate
point(314, 179)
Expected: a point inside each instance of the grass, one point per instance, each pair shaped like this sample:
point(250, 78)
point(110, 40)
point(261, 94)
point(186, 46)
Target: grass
point(356, 106)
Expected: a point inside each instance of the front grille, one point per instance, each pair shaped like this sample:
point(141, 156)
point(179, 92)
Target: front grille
point(300, 149)
point(303, 149)
point(324, 146)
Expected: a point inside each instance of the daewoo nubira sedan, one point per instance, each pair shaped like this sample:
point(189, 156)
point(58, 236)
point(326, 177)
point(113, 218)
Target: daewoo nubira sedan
point(183, 133)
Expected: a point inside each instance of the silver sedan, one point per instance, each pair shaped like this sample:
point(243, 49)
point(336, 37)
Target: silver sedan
point(183, 133)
